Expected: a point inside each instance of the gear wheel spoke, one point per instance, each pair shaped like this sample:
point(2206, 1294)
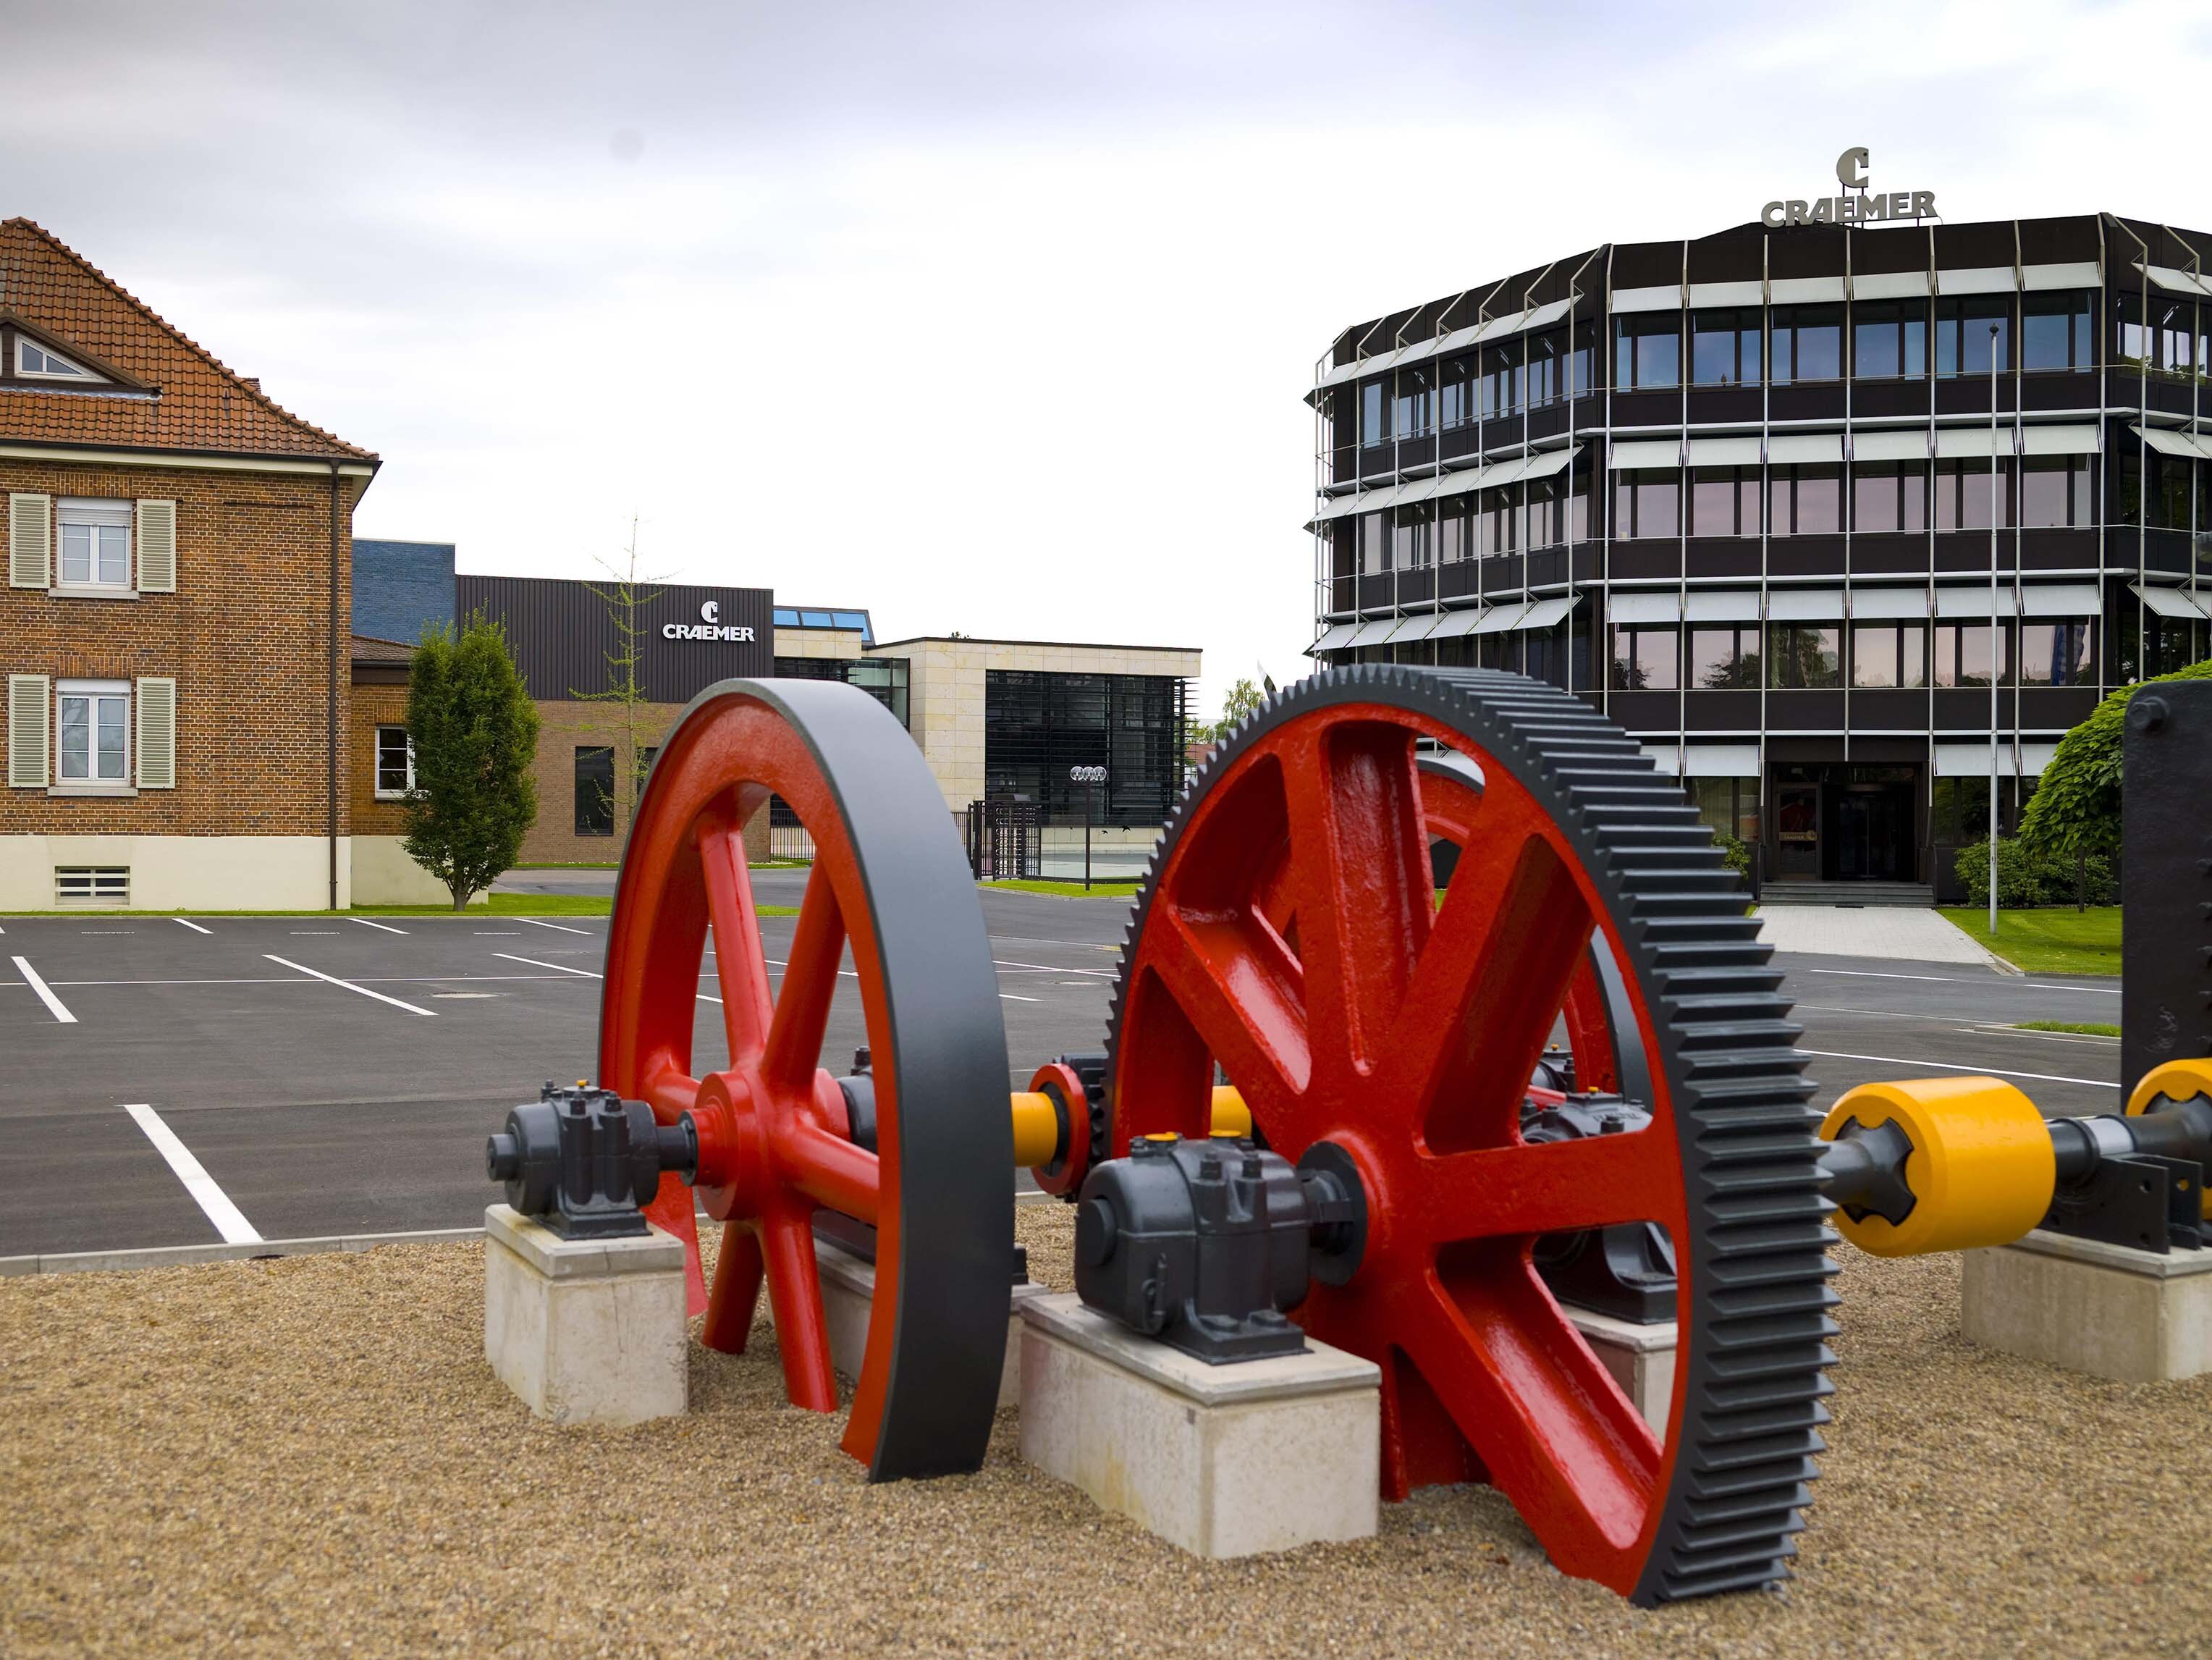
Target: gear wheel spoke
point(1292, 896)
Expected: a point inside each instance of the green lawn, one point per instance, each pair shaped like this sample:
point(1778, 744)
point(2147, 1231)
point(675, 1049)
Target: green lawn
point(1100, 890)
point(2059, 940)
point(2086, 1029)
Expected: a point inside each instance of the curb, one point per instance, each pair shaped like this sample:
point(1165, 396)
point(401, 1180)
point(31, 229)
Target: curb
point(178, 1256)
point(185, 1257)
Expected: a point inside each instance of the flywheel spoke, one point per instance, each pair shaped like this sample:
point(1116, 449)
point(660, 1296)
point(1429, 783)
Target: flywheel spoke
point(1557, 1187)
point(1360, 881)
point(794, 1291)
point(1554, 1430)
point(740, 965)
point(830, 1170)
point(809, 982)
point(668, 1088)
point(737, 1291)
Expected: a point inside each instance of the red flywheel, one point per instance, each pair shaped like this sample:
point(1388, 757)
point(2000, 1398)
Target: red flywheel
point(778, 1139)
point(1291, 934)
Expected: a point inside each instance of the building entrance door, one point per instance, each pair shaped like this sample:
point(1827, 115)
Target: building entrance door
point(1797, 832)
point(1874, 833)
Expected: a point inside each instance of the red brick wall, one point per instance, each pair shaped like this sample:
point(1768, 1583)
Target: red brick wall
point(245, 636)
point(373, 707)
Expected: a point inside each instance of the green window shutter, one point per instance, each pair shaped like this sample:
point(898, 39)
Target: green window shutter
point(29, 709)
point(157, 547)
point(157, 733)
point(30, 541)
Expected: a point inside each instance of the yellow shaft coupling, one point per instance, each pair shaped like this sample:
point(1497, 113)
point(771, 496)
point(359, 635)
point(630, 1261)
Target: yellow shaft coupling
point(1037, 1123)
point(1980, 1166)
point(1982, 1169)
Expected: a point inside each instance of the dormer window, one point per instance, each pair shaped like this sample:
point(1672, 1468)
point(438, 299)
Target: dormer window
point(35, 361)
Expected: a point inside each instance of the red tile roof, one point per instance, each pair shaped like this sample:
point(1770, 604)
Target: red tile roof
point(202, 405)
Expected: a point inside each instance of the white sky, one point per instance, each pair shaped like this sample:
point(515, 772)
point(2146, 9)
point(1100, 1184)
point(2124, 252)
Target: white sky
point(992, 317)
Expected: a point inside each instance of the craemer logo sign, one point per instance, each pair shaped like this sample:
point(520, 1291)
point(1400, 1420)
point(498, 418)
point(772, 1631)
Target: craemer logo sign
point(710, 627)
point(1846, 209)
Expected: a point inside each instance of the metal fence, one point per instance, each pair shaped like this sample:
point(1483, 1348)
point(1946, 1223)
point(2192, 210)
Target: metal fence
point(1004, 840)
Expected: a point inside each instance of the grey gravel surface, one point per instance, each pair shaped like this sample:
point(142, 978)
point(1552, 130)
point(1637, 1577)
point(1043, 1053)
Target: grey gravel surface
point(309, 1456)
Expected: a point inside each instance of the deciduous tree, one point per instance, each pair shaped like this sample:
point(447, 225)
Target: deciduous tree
point(475, 733)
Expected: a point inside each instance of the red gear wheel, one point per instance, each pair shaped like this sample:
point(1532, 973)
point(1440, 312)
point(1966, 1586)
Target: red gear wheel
point(1349, 1008)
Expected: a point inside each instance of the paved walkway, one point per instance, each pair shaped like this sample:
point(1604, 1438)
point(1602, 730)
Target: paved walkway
point(1903, 934)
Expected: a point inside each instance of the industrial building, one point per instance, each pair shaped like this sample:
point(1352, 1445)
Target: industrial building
point(1746, 493)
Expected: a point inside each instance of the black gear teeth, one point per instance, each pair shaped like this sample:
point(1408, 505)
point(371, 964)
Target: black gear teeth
point(1755, 1322)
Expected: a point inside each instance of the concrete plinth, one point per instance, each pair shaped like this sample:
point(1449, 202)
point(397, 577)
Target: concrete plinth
point(1223, 1461)
point(1640, 1357)
point(2129, 1314)
point(848, 1290)
point(587, 1331)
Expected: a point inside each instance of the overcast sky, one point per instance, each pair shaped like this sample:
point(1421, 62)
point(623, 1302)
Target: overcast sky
point(988, 317)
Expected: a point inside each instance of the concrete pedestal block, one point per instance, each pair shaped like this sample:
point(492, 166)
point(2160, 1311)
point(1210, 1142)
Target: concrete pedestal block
point(1223, 1461)
point(2133, 1316)
point(587, 1331)
point(1640, 1357)
point(848, 1288)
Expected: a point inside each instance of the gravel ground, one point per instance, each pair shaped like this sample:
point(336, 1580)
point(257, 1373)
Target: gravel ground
point(309, 1456)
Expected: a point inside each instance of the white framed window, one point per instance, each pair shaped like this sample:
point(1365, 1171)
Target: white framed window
point(92, 884)
point(395, 763)
point(95, 544)
point(92, 734)
point(36, 363)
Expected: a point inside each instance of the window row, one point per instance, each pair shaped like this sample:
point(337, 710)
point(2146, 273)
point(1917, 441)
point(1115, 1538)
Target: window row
point(1882, 655)
point(2174, 340)
point(91, 737)
point(1508, 518)
point(1867, 340)
point(1481, 386)
point(2034, 492)
point(85, 545)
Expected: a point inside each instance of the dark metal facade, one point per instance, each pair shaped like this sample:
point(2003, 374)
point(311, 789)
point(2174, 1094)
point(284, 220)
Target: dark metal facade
point(1038, 724)
point(563, 634)
point(1787, 434)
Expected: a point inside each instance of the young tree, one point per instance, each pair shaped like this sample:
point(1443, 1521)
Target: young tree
point(625, 597)
point(2074, 813)
point(475, 732)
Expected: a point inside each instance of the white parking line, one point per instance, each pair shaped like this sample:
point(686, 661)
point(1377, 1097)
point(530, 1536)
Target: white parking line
point(194, 927)
point(535, 923)
point(1008, 997)
point(31, 979)
point(287, 980)
point(350, 986)
point(1946, 1065)
point(581, 973)
point(1096, 973)
point(366, 923)
point(228, 1222)
point(1871, 974)
point(558, 968)
point(2101, 991)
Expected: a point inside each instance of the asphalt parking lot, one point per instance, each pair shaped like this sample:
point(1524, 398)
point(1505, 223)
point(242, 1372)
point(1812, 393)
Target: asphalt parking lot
point(180, 1081)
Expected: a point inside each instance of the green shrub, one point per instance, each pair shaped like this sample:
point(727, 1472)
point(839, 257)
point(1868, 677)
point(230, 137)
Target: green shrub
point(1734, 854)
point(2026, 877)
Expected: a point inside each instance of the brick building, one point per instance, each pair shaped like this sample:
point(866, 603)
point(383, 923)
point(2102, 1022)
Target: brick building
point(173, 629)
